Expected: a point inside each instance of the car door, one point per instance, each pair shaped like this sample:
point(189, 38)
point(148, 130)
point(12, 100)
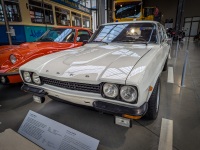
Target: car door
point(164, 46)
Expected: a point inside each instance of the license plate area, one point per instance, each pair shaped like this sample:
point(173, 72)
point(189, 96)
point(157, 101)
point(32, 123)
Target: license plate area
point(123, 121)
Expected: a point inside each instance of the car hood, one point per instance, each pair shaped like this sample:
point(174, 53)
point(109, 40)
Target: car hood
point(22, 51)
point(94, 63)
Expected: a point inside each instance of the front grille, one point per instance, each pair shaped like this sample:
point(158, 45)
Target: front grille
point(72, 85)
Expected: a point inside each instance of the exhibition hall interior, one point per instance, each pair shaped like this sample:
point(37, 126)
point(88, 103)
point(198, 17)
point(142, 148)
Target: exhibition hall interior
point(99, 74)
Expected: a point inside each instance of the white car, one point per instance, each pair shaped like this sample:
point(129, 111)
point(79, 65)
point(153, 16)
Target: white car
point(116, 72)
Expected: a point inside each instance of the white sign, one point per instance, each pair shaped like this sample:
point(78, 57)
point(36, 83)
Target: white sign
point(53, 135)
point(12, 31)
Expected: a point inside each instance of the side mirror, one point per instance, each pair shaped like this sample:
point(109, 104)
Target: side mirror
point(85, 42)
point(168, 40)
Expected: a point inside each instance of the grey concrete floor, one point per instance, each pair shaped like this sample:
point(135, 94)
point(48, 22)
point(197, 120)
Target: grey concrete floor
point(180, 104)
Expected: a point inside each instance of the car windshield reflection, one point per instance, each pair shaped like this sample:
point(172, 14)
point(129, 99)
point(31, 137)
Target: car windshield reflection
point(58, 35)
point(127, 32)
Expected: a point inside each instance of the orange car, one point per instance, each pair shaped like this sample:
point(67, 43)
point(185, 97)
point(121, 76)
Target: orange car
point(53, 40)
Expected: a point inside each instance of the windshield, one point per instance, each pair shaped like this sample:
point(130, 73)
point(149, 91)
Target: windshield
point(128, 10)
point(58, 35)
point(127, 32)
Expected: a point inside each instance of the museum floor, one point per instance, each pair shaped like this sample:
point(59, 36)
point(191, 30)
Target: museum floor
point(180, 104)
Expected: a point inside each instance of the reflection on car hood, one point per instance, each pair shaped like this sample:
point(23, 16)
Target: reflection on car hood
point(93, 62)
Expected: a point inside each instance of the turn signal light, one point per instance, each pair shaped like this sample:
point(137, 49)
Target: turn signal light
point(150, 88)
point(131, 117)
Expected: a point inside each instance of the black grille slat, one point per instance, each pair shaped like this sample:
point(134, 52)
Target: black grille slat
point(72, 85)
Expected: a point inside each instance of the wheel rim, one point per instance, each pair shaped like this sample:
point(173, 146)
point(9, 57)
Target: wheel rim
point(158, 98)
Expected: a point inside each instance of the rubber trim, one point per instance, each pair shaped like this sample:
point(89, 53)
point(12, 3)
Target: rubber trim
point(119, 110)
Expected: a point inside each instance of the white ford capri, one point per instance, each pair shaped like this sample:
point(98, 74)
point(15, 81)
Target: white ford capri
point(116, 72)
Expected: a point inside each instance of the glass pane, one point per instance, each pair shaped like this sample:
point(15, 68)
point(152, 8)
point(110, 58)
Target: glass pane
point(196, 19)
point(62, 16)
point(58, 35)
point(83, 36)
point(86, 22)
point(194, 28)
point(40, 14)
point(13, 12)
point(76, 20)
point(128, 10)
point(187, 28)
point(35, 3)
point(49, 17)
point(94, 4)
point(133, 32)
point(188, 19)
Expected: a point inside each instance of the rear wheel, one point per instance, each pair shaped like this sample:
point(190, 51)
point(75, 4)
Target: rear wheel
point(154, 101)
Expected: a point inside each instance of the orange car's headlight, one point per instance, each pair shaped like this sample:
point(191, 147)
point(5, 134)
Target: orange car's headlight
point(13, 58)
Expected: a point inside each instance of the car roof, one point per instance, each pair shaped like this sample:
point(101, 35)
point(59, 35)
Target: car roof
point(72, 27)
point(143, 21)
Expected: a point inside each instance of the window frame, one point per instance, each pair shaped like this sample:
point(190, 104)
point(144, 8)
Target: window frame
point(58, 11)
point(43, 10)
point(86, 18)
point(16, 2)
point(76, 15)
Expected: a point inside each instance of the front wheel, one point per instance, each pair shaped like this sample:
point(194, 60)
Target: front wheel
point(154, 101)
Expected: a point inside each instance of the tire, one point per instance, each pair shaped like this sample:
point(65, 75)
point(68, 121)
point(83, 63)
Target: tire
point(165, 66)
point(154, 101)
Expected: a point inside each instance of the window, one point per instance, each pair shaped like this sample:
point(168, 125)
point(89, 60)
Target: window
point(86, 22)
point(62, 16)
point(126, 32)
point(40, 12)
point(76, 19)
point(83, 36)
point(82, 2)
point(58, 35)
point(13, 11)
point(161, 33)
point(128, 9)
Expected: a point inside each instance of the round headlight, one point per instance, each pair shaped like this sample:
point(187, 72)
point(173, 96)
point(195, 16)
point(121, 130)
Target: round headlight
point(110, 90)
point(27, 76)
point(128, 93)
point(3, 79)
point(36, 78)
point(13, 59)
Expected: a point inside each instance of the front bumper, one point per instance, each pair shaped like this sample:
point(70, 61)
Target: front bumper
point(97, 104)
point(120, 110)
point(33, 90)
point(12, 77)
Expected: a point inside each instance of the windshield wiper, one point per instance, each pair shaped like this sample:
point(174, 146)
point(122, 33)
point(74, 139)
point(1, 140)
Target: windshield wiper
point(133, 40)
point(100, 42)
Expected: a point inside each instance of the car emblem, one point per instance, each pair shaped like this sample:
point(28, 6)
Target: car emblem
point(71, 74)
point(87, 76)
point(58, 72)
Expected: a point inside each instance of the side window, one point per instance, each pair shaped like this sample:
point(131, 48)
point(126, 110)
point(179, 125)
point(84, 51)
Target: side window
point(70, 37)
point(161, 35)
point(164, 32)
point(83, 36)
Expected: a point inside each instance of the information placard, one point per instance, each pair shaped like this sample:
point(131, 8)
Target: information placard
point(53, 135)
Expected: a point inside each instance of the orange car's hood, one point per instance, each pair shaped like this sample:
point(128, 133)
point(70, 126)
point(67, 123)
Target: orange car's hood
point(23, 50)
